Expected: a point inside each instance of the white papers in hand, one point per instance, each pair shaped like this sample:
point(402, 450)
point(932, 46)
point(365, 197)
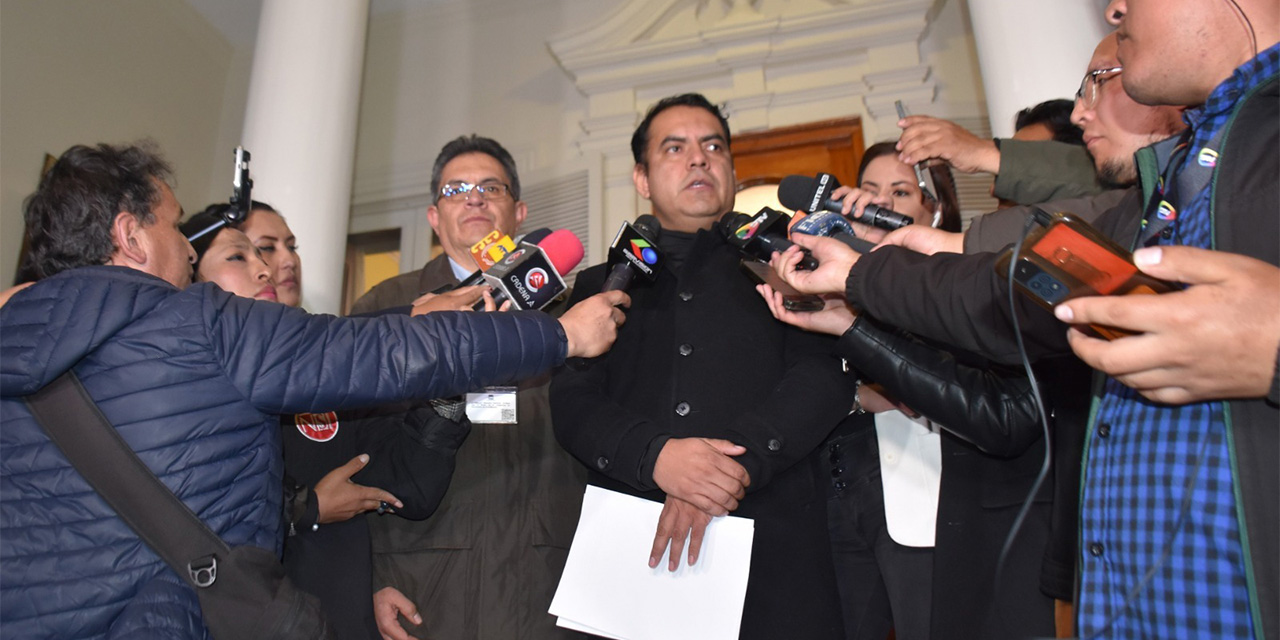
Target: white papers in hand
point(608, 588)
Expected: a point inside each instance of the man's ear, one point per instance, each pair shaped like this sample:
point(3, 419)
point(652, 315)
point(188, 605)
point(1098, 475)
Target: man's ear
point(130, 250)
point(433, 218)
point(522, 212)
point(640, 176)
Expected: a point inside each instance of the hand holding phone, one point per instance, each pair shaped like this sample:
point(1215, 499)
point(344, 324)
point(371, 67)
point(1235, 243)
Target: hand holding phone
point(1068, 258)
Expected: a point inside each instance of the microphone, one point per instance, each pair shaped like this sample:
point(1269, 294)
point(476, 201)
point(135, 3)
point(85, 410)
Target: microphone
point(635, 250)
point(802, 193)
point(759, 236)
point(530, 276)
point(477, 276)
point(831, 225)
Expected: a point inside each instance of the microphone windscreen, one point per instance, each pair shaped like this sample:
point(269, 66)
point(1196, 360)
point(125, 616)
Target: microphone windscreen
point(649, 226)
point(564, 249)
point(795, 192)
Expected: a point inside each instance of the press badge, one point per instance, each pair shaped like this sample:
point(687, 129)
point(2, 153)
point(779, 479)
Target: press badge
point(494, 405)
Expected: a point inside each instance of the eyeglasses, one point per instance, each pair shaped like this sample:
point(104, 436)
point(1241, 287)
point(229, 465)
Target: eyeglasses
point(1089, 86)
point(488, 191)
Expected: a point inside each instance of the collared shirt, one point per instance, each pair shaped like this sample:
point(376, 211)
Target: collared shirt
point(1161, 549)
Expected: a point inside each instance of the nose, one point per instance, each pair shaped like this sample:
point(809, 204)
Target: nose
point(697, 156)
point(262, 272)
point(474, 196)
point(1080, 114)
point(1115, 12)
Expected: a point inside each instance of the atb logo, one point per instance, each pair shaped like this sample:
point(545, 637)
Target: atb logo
point(644, 250)
point(536, 279)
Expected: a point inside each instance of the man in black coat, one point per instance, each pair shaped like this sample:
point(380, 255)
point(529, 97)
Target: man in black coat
point(707, 404)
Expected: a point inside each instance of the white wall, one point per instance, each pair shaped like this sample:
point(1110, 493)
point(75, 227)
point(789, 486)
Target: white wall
point(88, 71)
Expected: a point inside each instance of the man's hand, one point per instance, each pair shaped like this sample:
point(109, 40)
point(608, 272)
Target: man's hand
point(388, 605)
point(679, 520)
point(461, 299)
point(592, 325)
point(339, 499)
point(924, 138)
point(1217, 339)
point(854, 201)
point(701, 471)
point(926, 240)
point(834, 319)
point(835, 259)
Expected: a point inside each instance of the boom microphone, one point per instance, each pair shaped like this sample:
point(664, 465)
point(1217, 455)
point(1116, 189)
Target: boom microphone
point(759, 236)
point(810, 195)
point(530, 276)
point(635, 250)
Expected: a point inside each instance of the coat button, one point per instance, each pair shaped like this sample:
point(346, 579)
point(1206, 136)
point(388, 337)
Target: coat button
point(840, 485)
point(602, 463)
point(685, 349)
point(682, 409)
point(775, 445)
point(686, 295)
point(1104, 430)
point(1095, 549)
point(836, 472)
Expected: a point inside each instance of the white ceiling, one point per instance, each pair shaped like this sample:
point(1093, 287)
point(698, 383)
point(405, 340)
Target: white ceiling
point(238, 19)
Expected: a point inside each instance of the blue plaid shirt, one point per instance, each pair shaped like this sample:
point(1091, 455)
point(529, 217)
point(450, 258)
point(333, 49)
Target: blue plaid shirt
point(1161, 547)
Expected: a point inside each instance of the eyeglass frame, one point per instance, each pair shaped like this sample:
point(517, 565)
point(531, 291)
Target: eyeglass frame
point(463, 188)
point(1092, 82)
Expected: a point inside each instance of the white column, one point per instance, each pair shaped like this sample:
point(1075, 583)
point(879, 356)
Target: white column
point(300, 126)
point(1031, 51)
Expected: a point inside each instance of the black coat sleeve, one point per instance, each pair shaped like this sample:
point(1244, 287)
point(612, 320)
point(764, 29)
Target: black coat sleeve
point(992, 407)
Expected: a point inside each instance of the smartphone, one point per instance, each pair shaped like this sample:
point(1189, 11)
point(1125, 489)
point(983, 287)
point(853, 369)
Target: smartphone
point(924, 177)
point(1068, 258)
point(792, 300)
point(241, 188)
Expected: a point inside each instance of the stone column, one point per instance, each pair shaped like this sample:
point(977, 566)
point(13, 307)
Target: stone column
point(300, 126)
point(1031, 51)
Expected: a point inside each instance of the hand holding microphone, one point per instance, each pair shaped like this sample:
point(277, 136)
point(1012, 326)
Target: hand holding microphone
point(834, 258)
point(824, 193)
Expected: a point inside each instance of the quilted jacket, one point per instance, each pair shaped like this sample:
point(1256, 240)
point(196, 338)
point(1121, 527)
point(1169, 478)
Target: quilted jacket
point(194, 380)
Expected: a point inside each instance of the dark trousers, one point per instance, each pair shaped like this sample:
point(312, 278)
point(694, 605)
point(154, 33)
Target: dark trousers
point(883, 585)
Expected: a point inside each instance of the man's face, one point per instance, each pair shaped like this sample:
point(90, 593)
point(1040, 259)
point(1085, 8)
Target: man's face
point(1115, 126)
point(464, 219)
point(689, 178)
point(1175, 52)
point(169, 255)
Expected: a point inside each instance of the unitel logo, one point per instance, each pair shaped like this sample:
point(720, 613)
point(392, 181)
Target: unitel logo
point(536, 279)
point(644, 250)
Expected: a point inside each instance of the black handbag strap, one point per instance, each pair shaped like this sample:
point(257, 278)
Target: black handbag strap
point(76, 425)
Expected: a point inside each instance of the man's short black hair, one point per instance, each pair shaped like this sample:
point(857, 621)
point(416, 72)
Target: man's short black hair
point(70, 215)
point(640, 139)
point(474, 144)
point(1054, 114)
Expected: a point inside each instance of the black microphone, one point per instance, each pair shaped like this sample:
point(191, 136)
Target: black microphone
point(530, 276)
point(634, 250)
point(810, 195)
point(759, 236)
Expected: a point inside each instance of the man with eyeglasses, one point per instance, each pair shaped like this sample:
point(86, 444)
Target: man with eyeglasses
point(486, 564)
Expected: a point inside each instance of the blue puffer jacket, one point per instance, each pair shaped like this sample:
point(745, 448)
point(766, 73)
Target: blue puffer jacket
point(194, 381)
